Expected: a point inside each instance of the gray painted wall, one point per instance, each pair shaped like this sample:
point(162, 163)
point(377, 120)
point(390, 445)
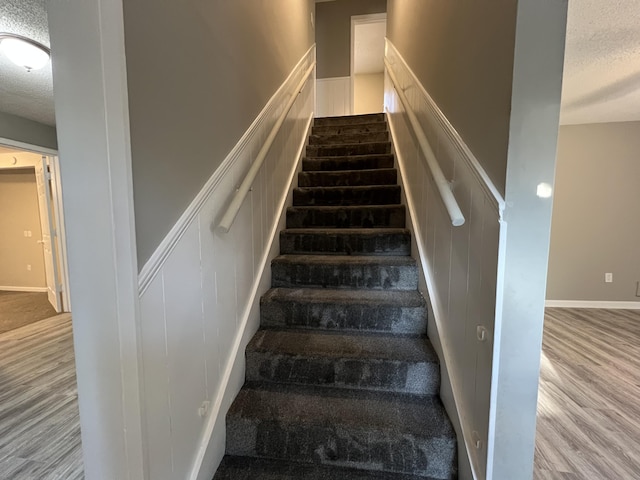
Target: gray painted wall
point(19, 211)
point(462, 52)
point(333, 33)
point(198, 75)
point(27, 131)
point(596, 226)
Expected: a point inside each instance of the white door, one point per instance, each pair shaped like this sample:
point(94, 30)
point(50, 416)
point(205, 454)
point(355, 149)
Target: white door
point(48, 233)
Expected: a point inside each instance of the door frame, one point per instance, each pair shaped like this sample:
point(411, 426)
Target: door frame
point(58, 220)
point(359, 20)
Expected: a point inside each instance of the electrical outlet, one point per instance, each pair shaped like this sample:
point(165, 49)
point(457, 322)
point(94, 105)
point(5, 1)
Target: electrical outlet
point(608, 277)
point(26, 233)
point(29, 268)
point(204, 409)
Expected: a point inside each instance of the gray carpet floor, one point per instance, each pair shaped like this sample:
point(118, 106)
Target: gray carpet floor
point(18, 309)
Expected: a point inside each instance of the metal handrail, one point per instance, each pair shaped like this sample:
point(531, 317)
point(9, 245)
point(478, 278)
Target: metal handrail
point(444, 187)
point(234, 207)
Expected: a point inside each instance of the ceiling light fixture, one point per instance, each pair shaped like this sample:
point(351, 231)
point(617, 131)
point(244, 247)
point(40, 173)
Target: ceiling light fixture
point(23, 51)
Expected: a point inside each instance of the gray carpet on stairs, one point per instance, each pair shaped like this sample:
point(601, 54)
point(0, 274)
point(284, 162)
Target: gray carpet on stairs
point(341, 380)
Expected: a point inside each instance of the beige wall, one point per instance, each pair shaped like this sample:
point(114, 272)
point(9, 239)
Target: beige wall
point(198, 75)
point(333, 33)
point(19, 212)
point(462, 52)
point(596, 224)
point(368, 93)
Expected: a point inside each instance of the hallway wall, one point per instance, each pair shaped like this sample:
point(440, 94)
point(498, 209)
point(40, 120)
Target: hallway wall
point(462, 52)
point(333, 33)
point(23, 130)
point(595, 226)
point(212, 66)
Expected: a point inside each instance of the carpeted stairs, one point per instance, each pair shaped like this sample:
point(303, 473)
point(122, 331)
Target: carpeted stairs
point(341, 381)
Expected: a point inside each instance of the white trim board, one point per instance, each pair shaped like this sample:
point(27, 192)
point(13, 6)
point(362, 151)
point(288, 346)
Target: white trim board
point(592, 304)
point(27, 146)
point(23, 289)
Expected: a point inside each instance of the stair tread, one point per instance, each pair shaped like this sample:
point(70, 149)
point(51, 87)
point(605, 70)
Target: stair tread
point(403, 298)
point(314, 259)
point(350, 187)
point(384, 412)
point(346, 207)
point(304, 343)
point(347, 158)
point(347, 231)
point(251, 468)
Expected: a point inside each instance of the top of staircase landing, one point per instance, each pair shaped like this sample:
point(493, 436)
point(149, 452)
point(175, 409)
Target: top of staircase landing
point(351, 119)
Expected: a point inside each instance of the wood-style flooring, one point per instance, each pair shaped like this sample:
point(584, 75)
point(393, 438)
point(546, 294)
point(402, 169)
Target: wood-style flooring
point(588, 410)
point(39, 423)
point(589, 398)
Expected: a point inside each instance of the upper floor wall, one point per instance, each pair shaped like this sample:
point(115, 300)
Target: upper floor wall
point(333, 33)
point(463, 54)
point(198, 74)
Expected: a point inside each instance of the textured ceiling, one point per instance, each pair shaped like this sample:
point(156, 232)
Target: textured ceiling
point(602, 62)
point(23, 93)
point(601, 79)
point(368, 47)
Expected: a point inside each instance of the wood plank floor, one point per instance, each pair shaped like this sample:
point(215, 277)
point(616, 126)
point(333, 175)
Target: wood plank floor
point(39, 423)
point(588, 407)
point(588, 410)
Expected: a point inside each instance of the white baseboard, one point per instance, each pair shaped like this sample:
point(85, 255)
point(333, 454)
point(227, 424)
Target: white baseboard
point(23, 289)
point(592, 304)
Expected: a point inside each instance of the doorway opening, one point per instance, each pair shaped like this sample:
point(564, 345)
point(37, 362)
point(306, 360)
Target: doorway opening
point(367, 63)
point(33, 255)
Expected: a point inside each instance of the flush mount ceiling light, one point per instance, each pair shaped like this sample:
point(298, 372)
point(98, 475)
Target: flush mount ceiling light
point(23, 51)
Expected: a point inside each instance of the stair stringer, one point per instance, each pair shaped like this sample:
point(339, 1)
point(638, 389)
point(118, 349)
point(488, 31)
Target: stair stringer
point(426, 287)
point(210, 455)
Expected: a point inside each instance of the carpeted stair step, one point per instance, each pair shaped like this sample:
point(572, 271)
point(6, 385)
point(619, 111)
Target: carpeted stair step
point(396, 312)
point(350, 162)
point(351, 119)
point(364, 430)
point(348, 138)
point(348, 149)
point(356, 361)
point(360, 195)
point(347, 241)
point(353, 128)
point(349, 178)
point(374, 216)
point(338, 271)
point(247, 468)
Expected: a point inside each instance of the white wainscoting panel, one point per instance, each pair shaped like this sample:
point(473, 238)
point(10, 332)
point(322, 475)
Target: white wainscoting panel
point(459, 263)
point(200, 293)
point(333, 97)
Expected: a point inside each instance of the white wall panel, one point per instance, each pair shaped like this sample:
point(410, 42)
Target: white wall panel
point(333, 97)
point(200, 293)
point(460, 263)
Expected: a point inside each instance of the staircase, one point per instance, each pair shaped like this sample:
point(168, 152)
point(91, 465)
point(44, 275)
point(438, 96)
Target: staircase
point(341, 381)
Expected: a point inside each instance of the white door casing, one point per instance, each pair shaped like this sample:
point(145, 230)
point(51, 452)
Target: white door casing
point(48, 234)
